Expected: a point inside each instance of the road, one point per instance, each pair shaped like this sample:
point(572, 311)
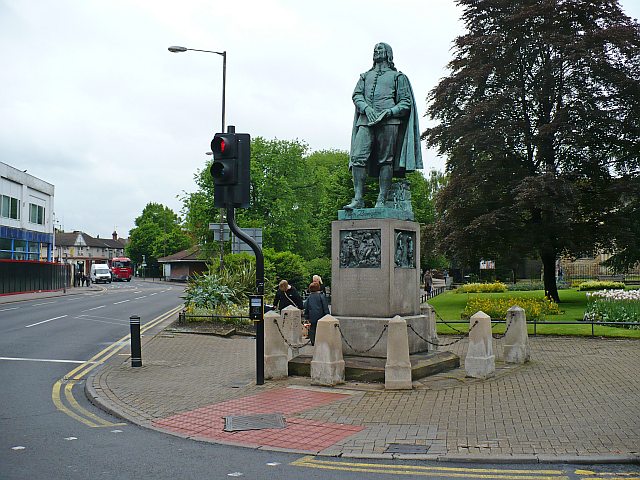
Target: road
point(48, 430)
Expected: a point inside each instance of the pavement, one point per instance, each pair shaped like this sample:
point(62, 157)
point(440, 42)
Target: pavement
point(576, 401)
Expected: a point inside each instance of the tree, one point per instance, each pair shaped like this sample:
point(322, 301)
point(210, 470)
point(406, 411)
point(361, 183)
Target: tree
point(158, 233)
point(540, 121)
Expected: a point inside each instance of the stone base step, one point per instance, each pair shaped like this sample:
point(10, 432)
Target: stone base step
point(371, 369)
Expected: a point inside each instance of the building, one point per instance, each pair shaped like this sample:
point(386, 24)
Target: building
point(180, 266)
point(81, 249)
point(26, 216)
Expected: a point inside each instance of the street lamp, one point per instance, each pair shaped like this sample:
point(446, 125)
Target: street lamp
point(177, 49)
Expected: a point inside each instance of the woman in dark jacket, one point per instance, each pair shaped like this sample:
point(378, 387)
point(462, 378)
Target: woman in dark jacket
point(315, 307)
point(286, 295)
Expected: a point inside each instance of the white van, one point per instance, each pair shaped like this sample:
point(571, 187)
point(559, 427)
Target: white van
point(100, 273)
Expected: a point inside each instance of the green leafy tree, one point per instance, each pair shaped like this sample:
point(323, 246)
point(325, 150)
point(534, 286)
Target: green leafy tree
point(158, 233)
point(540, 121)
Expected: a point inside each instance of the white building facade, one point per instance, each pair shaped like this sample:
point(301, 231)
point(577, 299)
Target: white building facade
point(26, 216)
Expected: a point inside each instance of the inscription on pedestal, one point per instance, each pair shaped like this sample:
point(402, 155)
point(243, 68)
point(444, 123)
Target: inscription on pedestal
point(405, 252)
point(360, 248)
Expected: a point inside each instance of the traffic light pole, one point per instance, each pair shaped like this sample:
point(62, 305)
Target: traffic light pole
point(231, 220)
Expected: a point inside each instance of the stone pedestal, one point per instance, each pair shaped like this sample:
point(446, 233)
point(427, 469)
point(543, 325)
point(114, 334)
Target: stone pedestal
point(480, 361)
point(327, 365)
point(431, 333)
point(275, 348)
point(397, 370)
point(292, 328)
point(375, 270)
point(516, 339)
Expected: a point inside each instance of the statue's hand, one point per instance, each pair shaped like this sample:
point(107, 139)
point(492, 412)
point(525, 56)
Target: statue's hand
point(371, 114)
point(386, 113)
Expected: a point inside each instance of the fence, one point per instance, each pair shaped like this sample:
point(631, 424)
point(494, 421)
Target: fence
point(31, 276)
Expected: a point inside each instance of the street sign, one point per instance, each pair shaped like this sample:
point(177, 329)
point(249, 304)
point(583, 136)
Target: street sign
point(238, 246)
point(217, 228)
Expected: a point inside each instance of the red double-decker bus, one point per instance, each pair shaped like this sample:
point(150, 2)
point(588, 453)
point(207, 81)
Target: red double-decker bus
point(121, 269)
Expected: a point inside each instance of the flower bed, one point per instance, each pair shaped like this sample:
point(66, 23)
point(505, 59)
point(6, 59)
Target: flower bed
point(495, 287)
point(613, 306)
point(600, 285)
point(535, 308)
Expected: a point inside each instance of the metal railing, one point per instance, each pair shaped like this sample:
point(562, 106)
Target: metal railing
point(537, 323)
point(434, 292)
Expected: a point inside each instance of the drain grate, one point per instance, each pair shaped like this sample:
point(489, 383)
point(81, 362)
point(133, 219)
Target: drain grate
point(239, 423)
point(406, 448)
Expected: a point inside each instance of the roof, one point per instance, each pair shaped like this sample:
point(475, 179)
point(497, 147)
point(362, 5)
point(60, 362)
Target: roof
point(192, 255)
point(73, 239)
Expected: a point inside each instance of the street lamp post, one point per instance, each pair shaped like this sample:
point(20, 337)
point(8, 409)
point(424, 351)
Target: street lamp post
point(177, 49)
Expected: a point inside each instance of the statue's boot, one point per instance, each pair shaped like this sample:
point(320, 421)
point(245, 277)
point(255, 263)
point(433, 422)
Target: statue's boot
point(359, 175)
point(386, 176)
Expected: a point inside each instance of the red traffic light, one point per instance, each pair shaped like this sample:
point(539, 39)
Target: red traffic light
point(223, 145)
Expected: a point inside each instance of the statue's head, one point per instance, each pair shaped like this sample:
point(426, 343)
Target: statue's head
point(382, 52)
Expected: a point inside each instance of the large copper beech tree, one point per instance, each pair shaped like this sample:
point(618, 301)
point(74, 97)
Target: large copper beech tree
point(539, 119)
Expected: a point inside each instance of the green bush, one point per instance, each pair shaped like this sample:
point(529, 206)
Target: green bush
point(290, 267)
point(530, 286)
point(208, 291)
point(238, 262)
point(322, 267)
point(495, 287)
point(600, 285)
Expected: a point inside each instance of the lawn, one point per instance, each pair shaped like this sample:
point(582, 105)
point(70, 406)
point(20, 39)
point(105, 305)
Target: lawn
point(450, 305)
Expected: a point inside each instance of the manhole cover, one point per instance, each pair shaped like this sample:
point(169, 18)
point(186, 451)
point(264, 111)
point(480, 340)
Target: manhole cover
point(253, 422)
point(406, 448)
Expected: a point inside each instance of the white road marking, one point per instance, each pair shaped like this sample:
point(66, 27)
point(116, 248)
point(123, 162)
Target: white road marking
point(151, 294)
point(71, 438)
point(19, 359)
point(94, 308)
point(116, 431)
point(19, 447)
point(235, 474)
point(122, 301)
point(7, 309)
point(273, 464)
point(138, 298)
point(38, 304)
point(44, 321)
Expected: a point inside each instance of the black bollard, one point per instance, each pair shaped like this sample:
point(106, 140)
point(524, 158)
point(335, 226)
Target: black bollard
point(136, 347)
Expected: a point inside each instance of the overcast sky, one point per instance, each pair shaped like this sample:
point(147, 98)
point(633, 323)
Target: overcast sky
point(92, 101)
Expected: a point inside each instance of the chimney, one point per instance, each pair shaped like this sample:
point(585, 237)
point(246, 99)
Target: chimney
point(114, 235)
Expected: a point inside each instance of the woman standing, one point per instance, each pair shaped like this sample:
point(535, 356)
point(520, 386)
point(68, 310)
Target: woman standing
point(315, 307)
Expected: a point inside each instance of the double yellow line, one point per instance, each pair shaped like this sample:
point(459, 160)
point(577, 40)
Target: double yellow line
point(62, 392)
point(432, 471)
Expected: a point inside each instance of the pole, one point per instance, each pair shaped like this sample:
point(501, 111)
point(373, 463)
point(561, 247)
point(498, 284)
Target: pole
point(231, 220)
point(136, 347)
point(224, 88)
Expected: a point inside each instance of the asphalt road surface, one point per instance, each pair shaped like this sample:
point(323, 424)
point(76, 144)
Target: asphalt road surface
point(48, 430)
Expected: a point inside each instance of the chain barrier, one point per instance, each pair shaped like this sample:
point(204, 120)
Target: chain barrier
point(499, 336)
point(442, 320)
point(384, 329)
point(464, 335)
point(289, 344)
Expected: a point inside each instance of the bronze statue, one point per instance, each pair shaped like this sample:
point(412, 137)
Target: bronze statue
point(385, 141)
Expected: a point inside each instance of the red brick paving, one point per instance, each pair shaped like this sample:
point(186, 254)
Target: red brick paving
point(300, 434)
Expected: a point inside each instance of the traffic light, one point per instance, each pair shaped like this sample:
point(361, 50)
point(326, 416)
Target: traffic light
point(230, 169)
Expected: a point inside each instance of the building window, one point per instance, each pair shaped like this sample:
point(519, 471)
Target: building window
point(9, 207)
point(36, 214)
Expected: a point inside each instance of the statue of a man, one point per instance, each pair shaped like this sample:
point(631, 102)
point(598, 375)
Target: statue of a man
point(385, 141)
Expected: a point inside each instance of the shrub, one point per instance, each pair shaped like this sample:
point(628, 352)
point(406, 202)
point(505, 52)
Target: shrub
point(207, 291)
point(496, 308)
point(529, 286)
point(600, 285)
point(495, 287)
point(322, 267)
point(289, 266)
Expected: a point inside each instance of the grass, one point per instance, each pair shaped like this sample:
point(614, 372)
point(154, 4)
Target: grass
point(573, 303)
